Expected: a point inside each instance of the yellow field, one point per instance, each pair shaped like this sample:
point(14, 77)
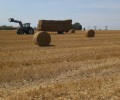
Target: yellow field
point(73, 67)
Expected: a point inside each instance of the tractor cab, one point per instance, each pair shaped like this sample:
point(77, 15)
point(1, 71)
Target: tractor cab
point(27, 29)
point(26, 25)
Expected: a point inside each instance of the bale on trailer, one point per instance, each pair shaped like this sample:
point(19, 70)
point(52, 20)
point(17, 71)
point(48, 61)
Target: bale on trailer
point(42, 38)
point(90, 33)
point(59, 26)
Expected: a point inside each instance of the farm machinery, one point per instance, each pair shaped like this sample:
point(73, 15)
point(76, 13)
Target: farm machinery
point(24, 28)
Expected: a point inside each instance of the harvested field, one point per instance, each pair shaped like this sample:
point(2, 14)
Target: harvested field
point(74, 67)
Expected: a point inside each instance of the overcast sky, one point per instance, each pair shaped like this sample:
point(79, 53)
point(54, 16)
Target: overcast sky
point(89, 13)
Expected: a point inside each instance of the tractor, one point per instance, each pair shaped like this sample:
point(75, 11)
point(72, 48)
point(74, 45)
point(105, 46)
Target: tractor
point(24, 28)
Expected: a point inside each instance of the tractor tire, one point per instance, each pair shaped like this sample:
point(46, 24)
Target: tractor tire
point(20, 31)
point(30, 31)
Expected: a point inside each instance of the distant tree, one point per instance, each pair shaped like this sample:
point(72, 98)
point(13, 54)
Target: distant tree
point(4, 27)
point(77, 26)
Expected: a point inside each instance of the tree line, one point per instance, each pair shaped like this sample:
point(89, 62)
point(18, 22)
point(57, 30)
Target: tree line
point(4, 27)
point(75, 26)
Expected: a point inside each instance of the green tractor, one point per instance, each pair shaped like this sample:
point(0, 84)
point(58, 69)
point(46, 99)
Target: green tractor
point(24, 28)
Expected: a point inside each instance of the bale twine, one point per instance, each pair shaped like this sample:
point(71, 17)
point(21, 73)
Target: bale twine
point(42, 38)
point(90, 33)
point(71, 31)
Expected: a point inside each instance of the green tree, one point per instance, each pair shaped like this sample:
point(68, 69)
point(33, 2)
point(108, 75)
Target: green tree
point(77, 26)
point(4, 27)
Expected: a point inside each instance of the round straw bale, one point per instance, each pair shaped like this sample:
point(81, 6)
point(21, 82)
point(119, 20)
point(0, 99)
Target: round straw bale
point(42, 38)
point(90, 33)
point(71, 31)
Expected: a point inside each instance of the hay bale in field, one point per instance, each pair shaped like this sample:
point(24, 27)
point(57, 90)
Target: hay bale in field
point(42, 38)
point(90, 33)
point(71, 31)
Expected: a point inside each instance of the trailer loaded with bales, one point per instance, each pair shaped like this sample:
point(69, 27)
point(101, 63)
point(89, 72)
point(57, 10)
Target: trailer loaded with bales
point(59, 26)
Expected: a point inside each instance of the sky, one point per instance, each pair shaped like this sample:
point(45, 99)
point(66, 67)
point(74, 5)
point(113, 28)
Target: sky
point(89, 13)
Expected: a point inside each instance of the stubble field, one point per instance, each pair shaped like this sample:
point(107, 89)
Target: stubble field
point(73, 67)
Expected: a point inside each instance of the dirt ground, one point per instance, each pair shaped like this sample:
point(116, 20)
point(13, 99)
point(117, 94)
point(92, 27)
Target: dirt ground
point(73, 67)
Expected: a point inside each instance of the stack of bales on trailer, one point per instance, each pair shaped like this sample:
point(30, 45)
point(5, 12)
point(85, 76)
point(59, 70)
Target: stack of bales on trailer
point(54, 25)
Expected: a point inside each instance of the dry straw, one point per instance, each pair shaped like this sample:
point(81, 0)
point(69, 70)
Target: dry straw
point(71, 31)
point(90, 33)
point(42, 38)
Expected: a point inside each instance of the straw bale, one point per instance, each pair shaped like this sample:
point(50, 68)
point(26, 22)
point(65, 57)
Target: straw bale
point(42, 38)
point(90, 33)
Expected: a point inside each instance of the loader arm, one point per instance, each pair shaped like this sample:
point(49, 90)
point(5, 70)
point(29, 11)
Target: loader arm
point(16, 21)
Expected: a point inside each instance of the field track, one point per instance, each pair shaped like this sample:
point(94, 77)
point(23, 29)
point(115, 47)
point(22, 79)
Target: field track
point(73, 67)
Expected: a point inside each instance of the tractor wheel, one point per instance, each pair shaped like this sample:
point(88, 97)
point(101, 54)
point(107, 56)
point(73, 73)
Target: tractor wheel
point(30, 31)
point(20, 31)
